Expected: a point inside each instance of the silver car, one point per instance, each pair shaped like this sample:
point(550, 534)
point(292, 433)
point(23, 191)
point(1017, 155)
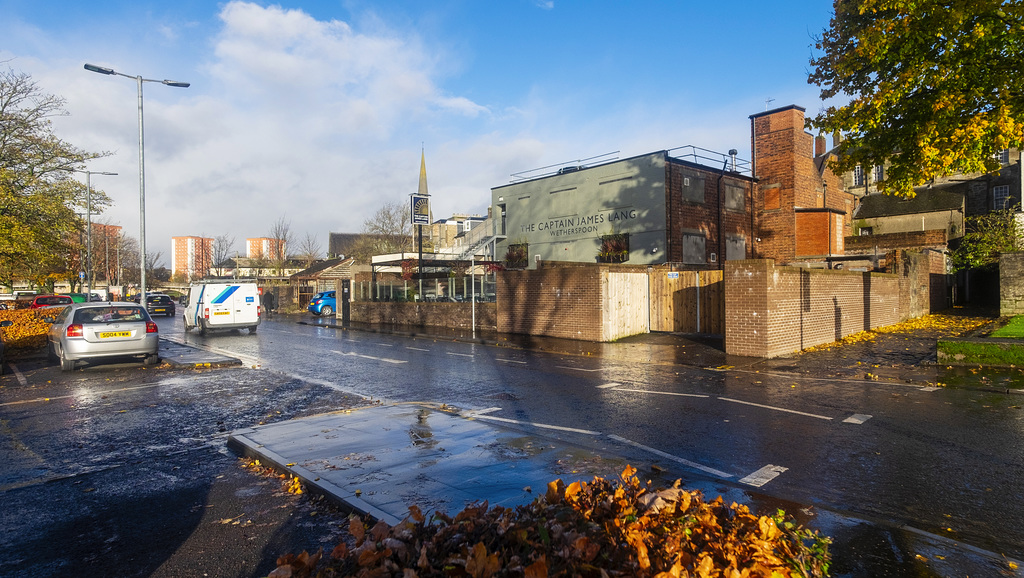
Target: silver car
point(102, 331)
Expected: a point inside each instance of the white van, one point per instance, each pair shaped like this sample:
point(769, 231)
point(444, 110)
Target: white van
point(220, 305)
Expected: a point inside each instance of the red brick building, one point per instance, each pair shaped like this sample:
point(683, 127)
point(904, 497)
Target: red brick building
point(191, 256)
point(803, 209)
point(265, 248)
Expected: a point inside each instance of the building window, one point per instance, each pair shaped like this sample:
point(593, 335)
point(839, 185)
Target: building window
point(865, 231)
point(878, 173)
point(693, 249)
point(614, 248)
point(735, 197)
point(735, 247)
point(1003, 156)
point(1000, 197)
point(858, 176)
point(693, 188)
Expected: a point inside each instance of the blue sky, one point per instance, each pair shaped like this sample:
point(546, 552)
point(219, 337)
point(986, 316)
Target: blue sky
point(317, 110)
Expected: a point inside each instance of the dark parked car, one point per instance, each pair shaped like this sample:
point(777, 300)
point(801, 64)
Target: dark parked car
point(160, 304)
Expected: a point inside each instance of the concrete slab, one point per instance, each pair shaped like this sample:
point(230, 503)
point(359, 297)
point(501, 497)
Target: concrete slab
point(182, 355)
point(381, 460)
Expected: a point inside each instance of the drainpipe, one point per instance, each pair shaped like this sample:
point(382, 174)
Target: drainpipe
point(721, 247)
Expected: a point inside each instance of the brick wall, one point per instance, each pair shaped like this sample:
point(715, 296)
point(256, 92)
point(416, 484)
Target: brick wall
point(451, 315)
point(1011, 284)
point(772, 311)
point(557, 302)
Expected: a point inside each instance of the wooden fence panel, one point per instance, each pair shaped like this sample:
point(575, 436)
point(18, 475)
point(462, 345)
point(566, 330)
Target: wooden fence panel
point(626, 305)
point(687, 301)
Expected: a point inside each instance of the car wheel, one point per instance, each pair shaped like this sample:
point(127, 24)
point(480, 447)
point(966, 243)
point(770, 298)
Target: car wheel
point(151, 359)
point(49, 352)
point(202, 327)
point(184, 322)
point(327, 310)
point(65, 363)
point(252, 330)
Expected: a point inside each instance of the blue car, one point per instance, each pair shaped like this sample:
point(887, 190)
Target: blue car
point(323, 303)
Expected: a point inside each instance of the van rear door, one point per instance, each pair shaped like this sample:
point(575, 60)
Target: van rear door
point(221, 301)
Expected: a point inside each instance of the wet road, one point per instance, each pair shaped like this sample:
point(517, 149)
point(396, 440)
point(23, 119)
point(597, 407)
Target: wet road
point(943, 460)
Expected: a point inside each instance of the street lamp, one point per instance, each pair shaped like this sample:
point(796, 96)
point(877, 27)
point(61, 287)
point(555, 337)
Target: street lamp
point(142, 167)
point(88, 225)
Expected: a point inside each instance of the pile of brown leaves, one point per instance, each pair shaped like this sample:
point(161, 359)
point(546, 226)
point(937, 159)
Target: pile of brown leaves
point(598, 529)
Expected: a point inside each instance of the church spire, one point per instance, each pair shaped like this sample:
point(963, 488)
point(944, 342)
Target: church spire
point(423, 174)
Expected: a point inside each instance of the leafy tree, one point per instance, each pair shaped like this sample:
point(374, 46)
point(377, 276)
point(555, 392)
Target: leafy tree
point(933, 86)
point(39, 198)
point(986, 237)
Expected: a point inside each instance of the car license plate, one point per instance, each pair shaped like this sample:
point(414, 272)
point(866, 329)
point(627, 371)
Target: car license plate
point(160, 310)
point(109, 334)
point(222, 313)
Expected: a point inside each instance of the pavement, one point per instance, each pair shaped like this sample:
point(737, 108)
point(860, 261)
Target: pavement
point(379, 460)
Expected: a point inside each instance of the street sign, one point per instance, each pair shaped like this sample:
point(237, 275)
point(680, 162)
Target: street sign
point(420, 209)
point(81, 274)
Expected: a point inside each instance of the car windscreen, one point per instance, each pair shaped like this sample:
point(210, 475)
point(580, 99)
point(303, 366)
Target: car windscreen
point(160, 299)
point(109, 314)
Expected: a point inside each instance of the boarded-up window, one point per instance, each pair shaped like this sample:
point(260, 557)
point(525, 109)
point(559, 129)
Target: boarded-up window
point(735, 197)
point(735, 247)
point(771, 198)
point(693, 248)
point(693, 188)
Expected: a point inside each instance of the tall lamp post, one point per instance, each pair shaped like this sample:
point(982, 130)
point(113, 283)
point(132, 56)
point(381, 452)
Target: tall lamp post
point(88, 227)
point(142, 168)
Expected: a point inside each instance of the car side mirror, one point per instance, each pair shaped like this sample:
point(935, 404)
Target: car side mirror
point(6, 323)
point(48, 319)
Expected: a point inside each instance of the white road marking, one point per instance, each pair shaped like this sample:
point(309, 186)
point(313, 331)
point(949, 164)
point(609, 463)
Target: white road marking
point(576, 368)
point(541, 425)
point(608, 385)
point(509, 360)
point(417, 348)
point(460, 354)
point(930, 388)
point(857, 418)
point(669, 456)
point(384, 359)
point(661, 392)
point(774, 408)
point(763, 476)
point(18, 374)
point(386, 344)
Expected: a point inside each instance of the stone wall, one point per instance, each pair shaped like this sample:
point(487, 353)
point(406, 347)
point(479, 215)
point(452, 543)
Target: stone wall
point(1011, 284)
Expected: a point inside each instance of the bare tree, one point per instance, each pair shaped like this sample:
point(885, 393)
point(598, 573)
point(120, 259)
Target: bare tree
point(310, 250)
point(281, 233)
point(223, 246)
point(387, 231)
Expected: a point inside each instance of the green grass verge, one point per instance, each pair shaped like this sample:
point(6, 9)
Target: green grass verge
point(980, 353)
point(1014, 329)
